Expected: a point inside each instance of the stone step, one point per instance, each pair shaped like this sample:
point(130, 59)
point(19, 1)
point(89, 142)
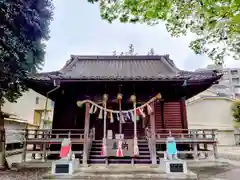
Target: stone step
point(119, 161)
point(98, 152)
point(141, 153)
point(123, 172)
point(91, 157)
point(139, 156)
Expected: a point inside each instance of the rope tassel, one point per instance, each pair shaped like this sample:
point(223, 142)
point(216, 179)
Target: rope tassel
point(111, 118)
point(100, 114)
point(95, 109)
point(132, 116)
point(91, 110)
point(142, 113)
point(149, 109)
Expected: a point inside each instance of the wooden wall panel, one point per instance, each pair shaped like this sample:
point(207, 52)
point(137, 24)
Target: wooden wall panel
point(158, 116)
point(172, 115)
point(183, 104)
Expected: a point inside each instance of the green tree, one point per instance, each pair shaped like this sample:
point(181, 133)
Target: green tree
point(236, 113)
point(131, 50)
point(114, 53)
point(24, 26)
point(215, 22)
point(151, 52)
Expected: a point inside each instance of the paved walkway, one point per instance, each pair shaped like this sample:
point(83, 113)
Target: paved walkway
point(231, 153)
point(232, 172)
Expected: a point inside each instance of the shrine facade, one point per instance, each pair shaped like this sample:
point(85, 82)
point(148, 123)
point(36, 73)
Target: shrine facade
point(121, 95)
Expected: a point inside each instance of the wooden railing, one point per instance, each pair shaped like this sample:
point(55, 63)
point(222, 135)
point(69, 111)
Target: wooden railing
point(194, 137)
point(39, 141)
point(187, 135)
point(90, 139)
point(237, 138)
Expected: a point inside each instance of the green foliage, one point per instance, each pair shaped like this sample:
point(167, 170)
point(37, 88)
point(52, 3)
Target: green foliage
point(215, 22)
point(131, 50)
point(151, 52)
point(236, 113)
point(24, 24)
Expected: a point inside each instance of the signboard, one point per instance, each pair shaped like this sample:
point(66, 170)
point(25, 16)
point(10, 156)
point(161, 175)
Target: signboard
point(127, 147)
point(62, 168)
point(176, 167)
point(119, 136)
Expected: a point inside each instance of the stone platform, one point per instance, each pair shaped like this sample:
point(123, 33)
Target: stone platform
point(120, 172)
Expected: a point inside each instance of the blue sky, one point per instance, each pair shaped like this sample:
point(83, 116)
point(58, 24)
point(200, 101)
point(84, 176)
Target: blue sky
point(78, 29)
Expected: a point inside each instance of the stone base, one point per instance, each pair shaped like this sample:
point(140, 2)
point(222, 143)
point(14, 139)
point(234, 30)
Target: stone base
point(64, 167)
point(174, 166)
point(122, 172)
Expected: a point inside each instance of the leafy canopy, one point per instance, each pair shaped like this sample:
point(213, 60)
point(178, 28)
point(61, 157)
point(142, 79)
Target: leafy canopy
point(24, 24)
point(236, 112)
point(215, 22)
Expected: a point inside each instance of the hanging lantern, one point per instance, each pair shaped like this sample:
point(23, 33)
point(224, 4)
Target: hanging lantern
point(119, 96)
point(158, 96)
point(105, 97)
point(133, 98)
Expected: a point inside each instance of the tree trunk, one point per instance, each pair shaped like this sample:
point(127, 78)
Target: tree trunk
point(3, 162)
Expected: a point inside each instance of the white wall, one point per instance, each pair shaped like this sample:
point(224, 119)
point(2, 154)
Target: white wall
point(26, 104)
point(212, 113)
point(207, 92)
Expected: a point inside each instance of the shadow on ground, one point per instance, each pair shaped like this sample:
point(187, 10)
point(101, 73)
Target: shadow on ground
point(205, 173)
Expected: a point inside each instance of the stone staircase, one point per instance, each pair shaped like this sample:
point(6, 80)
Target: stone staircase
point(96, 158)
point(122, 172)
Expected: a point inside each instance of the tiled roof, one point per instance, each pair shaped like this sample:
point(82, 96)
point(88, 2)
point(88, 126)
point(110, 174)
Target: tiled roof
point(122, 68)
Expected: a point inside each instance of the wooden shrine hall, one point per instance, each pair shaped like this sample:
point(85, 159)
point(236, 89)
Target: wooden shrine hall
point(139, 99)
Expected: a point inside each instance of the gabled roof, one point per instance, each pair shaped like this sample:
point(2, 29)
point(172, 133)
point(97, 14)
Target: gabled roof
point(210, 98)
point(125, 68)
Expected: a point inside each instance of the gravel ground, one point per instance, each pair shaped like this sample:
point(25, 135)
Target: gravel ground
point(23, 174)
point(218, 173)
point(210, 173)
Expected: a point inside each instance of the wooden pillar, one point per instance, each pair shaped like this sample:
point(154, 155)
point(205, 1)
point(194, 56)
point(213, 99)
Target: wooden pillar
point(24, 154)
point(152, 120)
point(105, 98)
point(153, 134)
point(86, 132)
point(182, 113)
point(214, 144)
point(195, 149)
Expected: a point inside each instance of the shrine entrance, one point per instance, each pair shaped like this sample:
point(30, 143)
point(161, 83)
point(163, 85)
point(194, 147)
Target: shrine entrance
point(115, 126)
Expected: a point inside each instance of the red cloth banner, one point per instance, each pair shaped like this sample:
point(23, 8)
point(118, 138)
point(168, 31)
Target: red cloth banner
point(64, 151)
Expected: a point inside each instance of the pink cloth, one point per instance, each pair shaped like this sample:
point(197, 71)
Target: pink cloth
point(64, 151)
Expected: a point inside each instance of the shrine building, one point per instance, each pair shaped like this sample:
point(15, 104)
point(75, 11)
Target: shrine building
point(137, 97)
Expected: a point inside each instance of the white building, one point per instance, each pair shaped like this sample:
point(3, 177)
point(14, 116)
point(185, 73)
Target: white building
point(208, 110)
point(229, 83)
point(28, 111)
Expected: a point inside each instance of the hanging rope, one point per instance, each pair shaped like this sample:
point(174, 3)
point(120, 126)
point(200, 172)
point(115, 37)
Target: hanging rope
point(95, 105)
